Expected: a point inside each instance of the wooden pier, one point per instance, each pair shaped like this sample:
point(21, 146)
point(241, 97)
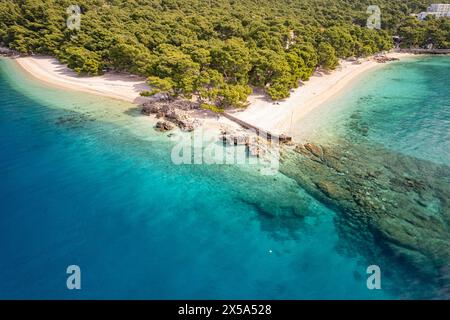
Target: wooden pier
point(260, 132)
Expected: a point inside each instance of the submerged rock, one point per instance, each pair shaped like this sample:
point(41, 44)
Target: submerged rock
point(74, 120)
point(314, 149)
point(189, 124)
point(390, 204)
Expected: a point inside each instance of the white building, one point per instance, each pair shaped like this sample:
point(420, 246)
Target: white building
point(439, 10)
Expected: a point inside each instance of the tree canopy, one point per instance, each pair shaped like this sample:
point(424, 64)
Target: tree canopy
point(215, 49)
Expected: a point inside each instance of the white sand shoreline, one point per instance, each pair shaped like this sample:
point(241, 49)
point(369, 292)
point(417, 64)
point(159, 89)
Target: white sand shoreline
point(113, 85)
point(278, 117)
point(275, 117)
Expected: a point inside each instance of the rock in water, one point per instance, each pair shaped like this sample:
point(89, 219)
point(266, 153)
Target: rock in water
point(164, 126)
point(176, 112)
point(316, 150)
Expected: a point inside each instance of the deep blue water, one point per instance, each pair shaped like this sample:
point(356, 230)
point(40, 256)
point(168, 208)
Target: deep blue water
point(85, 181)
point(79, 186)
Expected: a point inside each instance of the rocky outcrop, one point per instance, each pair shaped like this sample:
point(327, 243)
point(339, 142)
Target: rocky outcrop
point(257, 146)
point(384, 59)
point(164, 126)
point(177, 112)
point(152, 107)
point(391, 205)
point(181, 119)
point(8, 52)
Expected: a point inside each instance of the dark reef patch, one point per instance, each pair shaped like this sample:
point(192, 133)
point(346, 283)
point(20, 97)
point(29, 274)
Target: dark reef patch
point(390, 205)
point(74, 120)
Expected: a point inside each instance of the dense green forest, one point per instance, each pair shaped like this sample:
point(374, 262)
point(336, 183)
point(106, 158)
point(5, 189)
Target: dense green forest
point(215, 49)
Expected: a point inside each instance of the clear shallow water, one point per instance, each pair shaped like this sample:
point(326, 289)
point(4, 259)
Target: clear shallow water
point(404, 106)
point(84, 181)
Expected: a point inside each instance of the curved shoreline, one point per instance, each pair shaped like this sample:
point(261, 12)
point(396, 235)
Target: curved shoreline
point(112, 85)
point(276, 117)
point(321, 87)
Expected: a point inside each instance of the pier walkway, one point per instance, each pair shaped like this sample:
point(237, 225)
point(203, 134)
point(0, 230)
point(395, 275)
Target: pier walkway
point(260, 132)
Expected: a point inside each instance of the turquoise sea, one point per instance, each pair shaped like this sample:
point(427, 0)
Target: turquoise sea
point(404, 106)
point(86, 181)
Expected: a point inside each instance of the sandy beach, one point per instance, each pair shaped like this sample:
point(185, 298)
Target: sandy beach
point(114, 85)
point(276, 117)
